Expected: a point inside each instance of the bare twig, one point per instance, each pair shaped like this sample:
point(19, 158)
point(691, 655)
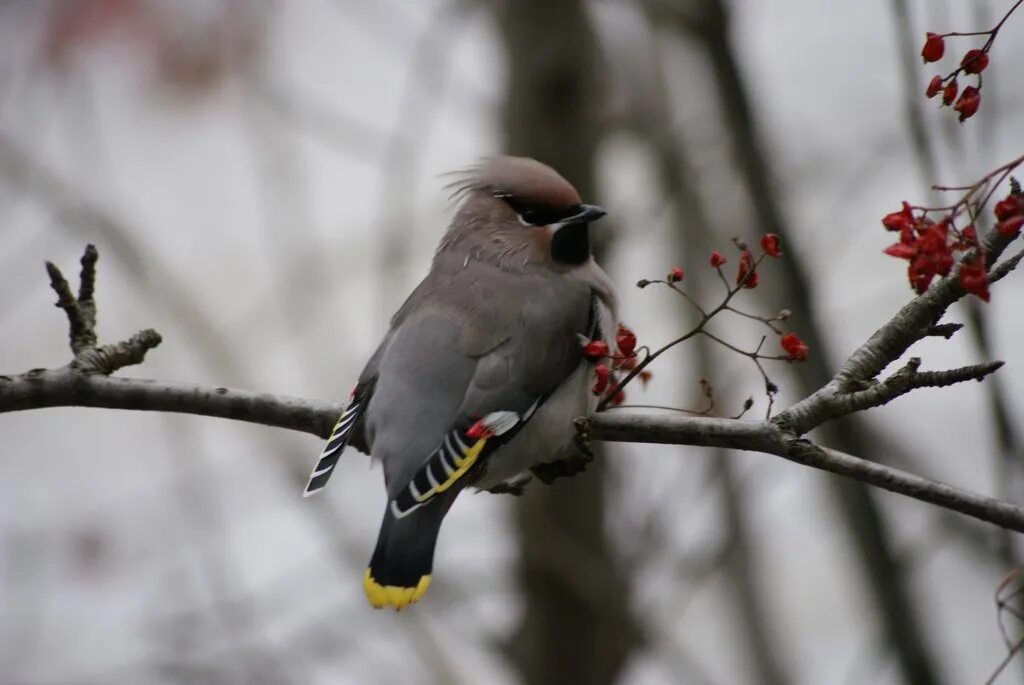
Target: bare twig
point(700, 328)
point(900, 383)
point(1010, 653)
point(81, 313)
point(944, 330)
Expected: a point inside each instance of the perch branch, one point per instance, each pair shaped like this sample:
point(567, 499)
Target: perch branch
point(86, 381)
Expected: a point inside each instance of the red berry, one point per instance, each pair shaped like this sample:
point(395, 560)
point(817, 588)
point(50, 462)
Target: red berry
point(770, 245)
point(601, 374)
point(934, 86)
point(794, 347)
point(933, 49)
point(949, 92)
point(974, 62)
point(595, 349)
point(901, 251)
point(1009, 227)
point(973, 279)
point(899, 221)
point(626, 340)
point(717, 259)
point(746, 276)
point(675, 275)
point(1009, 206)
point(968, 103)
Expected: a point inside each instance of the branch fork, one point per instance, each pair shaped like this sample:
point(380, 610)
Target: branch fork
point(90, 359)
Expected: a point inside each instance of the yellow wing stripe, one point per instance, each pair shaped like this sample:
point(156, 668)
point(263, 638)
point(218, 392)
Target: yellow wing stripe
point(462, 465)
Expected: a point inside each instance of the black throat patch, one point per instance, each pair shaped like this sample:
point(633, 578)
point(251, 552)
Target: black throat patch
point(571, 244)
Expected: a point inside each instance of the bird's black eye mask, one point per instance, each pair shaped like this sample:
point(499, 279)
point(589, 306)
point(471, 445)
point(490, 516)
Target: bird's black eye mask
point(570, 244)
point(541, 215)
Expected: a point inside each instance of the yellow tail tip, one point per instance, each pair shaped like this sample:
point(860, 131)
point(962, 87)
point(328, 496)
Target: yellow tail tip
point(394, 596)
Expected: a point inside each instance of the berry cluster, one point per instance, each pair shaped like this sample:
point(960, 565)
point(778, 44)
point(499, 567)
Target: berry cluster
point(973, 62)
point(626, 361)
point(598, 353)
point(932, 246)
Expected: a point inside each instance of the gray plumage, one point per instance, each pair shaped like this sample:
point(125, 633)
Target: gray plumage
point(494, 324)
point(494, 327)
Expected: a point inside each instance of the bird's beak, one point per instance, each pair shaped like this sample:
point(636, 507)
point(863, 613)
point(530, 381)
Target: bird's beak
point(587, 214)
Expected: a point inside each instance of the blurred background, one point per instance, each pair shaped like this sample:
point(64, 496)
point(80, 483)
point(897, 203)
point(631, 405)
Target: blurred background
point(262, 180)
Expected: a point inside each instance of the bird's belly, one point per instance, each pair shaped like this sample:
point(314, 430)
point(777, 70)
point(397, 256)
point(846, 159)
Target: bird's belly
point(548, 433)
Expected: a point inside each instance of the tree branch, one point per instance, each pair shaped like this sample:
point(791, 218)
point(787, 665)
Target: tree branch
point(908, 378)
point(769, 438)
point(69, 387)
point(915, 321)
point(86, 382)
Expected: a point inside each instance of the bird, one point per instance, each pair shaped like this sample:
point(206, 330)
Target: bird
point(481, 372)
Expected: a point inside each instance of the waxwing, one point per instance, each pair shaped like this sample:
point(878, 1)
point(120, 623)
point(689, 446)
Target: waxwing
point(481, 372)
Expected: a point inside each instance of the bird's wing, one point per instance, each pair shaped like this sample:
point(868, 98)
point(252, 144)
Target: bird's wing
point(537, 351)
point(467, 443)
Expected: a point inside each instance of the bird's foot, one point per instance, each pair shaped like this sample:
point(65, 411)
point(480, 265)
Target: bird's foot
point(574, 463)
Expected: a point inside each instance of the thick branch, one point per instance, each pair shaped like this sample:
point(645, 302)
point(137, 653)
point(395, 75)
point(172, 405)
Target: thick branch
point(86, 382)
point(68, 387)
point(767, 437)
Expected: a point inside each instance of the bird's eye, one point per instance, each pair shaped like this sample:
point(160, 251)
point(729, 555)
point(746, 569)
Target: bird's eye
point(530, 217)
point(540, 215)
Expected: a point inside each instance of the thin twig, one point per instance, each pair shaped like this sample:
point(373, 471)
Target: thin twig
point(730, 293)
point(1012, 652)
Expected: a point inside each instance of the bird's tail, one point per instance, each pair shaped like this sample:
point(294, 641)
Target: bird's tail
point(399, 571)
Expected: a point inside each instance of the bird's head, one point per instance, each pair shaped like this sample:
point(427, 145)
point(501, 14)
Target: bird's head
point(518, 201)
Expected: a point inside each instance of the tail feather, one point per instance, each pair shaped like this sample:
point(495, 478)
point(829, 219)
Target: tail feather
point(399, 571)
point(336, 442)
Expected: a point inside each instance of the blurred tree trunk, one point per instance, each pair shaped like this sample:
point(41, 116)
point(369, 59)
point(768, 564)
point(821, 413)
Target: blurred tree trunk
point(886, 579)
point(576, 626)
point(695, 236)
point(755, 625)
